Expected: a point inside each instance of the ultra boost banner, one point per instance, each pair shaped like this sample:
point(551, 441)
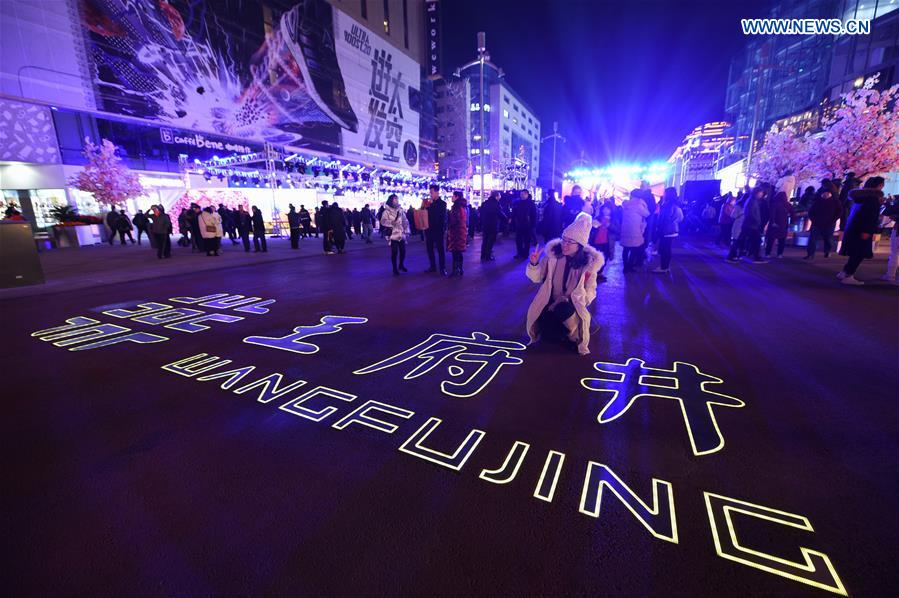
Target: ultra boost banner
point(301, 74)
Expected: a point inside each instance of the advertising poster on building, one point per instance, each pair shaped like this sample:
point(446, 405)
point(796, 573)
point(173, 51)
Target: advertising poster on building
point(302, 75)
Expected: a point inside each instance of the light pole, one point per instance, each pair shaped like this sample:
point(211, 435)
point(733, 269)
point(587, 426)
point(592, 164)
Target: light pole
point(554, 137)
point(481, 61)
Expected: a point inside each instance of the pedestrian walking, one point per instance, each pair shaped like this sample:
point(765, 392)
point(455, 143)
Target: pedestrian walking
point(491, 214)
point(667, 227)
point(142, 224)
point(891, 211)
point(862, 223)
point(293, 222)
point(551, 220)
point(112, 218)
point(193, 220)
point(435, 234)
point(634, 213)
point(567, 279)
point(124, 227)
point(780, 210)
point(211, 230)
point(337, 226)
point(649, 232)
point(258, 231)
point(184, 228)
point(244, 223)
point(322, 225)
point(457, 231)
point(395, 227)
point(524, 223)
point(228, 225)
point(368, 223)
point(726, 220)
point(823, 214)
point(736, 236)
point(161, 228)
point(306, 222)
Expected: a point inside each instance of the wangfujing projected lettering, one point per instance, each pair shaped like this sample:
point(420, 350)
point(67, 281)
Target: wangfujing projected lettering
point(651, 505)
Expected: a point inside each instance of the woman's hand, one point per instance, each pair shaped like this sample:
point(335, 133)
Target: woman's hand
point(535, 256)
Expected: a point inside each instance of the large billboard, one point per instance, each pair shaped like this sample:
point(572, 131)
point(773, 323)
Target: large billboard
point(301, 74)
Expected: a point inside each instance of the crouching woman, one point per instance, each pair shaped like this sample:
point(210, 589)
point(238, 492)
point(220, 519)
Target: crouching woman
point(567, 279)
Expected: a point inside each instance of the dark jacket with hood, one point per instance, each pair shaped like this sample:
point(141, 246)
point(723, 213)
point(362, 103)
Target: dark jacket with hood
point(863, 221)
point(524, 215)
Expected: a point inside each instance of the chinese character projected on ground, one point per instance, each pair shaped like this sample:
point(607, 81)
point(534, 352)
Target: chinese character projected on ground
point(490, 355)
point(385, 108)
point(296, 343)
point(82, 333)
point(685, 383)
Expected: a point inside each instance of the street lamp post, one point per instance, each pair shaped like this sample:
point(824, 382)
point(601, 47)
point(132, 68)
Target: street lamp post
point(554, 137)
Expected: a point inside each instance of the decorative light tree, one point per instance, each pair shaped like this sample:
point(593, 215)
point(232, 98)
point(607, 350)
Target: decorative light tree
point(862, 136)
point(111, 182)
point(784, 154)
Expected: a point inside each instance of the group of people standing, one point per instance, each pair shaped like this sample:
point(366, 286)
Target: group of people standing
point(759, 218)
point(202, 229)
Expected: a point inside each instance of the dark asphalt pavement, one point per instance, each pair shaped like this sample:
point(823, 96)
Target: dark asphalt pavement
point(122, 478)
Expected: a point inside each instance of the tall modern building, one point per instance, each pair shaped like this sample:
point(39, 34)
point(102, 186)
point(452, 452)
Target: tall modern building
point(787, 77)
point(510, 139)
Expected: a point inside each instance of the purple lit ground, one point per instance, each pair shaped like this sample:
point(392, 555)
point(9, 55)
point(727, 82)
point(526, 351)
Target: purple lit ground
point(124, 479)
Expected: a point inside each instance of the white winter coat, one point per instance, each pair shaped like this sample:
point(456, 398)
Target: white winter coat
point(581, 297)
point(395, 219)
point(634, 213)
point(213, 219)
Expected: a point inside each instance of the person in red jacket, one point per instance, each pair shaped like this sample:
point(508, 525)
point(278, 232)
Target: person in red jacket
point(824, 213)
point(457, 231)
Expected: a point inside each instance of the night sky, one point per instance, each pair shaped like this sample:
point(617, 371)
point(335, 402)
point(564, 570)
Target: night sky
point(626, 79)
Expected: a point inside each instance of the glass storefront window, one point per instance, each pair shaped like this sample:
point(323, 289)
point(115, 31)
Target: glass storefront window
point(44, 200)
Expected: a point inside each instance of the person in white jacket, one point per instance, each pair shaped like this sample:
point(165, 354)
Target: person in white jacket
point(394, 219)
point(210, 230)
point(634, 213)
point(567, 279)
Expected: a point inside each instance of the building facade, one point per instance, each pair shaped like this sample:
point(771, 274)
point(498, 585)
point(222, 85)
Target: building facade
point(696, 158)
point(779, 78)
point(334, 81)
point(509, 140)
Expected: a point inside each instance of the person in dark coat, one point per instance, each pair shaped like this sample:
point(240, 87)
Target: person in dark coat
point(193, 221)
point(228, 226)
point(751, 233)
point(807, 199)
point(336, 223)
point(368, 223)
point(457, 231)
point(293, 221)
point(843, 193)
point(436, 231)
point(184, 228)
point(161, 228)
point(823, 213)
point(779, 212)
point(357, 222)
point(111, 222)
point(142, 224)
point(244, 223)
point(323, 225)
point(524, 221)
point(258, 231)
point(572, 205)
point(490, 218)
point(863, 222)
point(124, 226)
point(474, 220)
point(551, 223)
point(306, 222)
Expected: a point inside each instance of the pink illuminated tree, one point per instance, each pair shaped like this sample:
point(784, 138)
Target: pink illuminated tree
point(862, 136)
point(111, 182)
point(783, 154)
